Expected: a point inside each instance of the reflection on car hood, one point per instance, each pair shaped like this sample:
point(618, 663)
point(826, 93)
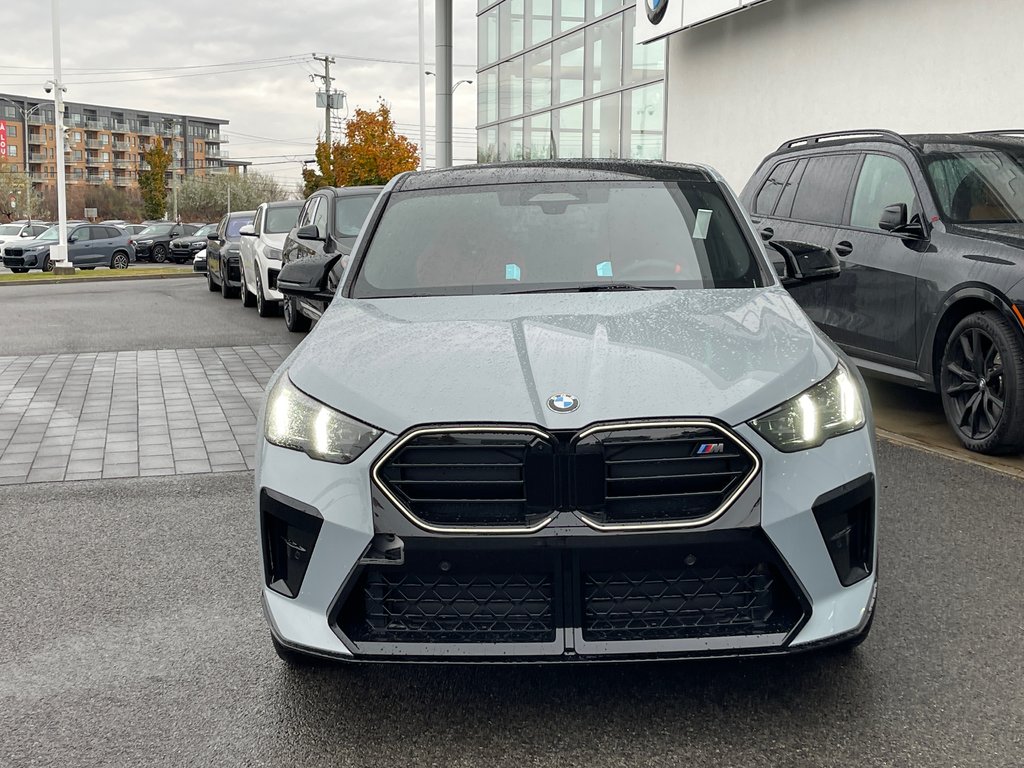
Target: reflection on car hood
point(729, 354)
point(27, 242)
point(274, 240)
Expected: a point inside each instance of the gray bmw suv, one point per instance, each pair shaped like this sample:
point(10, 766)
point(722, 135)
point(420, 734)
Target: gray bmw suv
point(564, 411)
point(89, 246)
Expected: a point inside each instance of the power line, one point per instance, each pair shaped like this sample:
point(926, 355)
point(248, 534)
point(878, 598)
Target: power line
point(128, 70)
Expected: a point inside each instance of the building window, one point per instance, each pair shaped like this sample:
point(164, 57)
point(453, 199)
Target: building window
point(604, 55)
point(76, 155)
point(510, 34)
point(104, 139)
point(569, 132)
point(487, 38)
point(12, 150)
point(569, 68)
point(602, 125)
point(642, 62)
point(538, 137)
point(571, 14)
point(487, 97)
point(12, 131)
point(106, 175)
point(487, 145)
point(105, 157)
point(538, 79)
point(78, 137)
point(510, 88)
point(643, 109)
point(10, 111)
point(541, 26)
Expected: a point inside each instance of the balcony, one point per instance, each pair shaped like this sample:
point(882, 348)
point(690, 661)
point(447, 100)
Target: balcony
point(38, 120)
point(122, 181)
point(36, 138)
point(213, 152)
point(95, 144)
point(216, 138)
point(94, 125)
point(95, 178)
point(37, 157)
point(120, 127)
point(124, 164)
point(147, 130)
point(121, 146)
point(94, 161)
point(41, 177)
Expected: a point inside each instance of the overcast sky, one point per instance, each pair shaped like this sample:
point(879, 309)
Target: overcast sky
point(272, 99)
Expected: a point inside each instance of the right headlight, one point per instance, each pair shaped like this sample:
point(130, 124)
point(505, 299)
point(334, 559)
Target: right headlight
point(295, 420)
point(830, 408)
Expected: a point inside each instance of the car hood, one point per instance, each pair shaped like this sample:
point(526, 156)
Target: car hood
point(27, 242)
point(727, 354)
point(189, 239)
point(274, 239)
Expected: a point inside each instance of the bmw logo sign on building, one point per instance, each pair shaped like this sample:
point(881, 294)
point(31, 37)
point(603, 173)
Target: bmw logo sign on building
point(656, 10)
point(563, 403)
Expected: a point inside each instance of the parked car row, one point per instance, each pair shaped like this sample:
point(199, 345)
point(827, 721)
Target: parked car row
point(89, 246)
point(300, 244)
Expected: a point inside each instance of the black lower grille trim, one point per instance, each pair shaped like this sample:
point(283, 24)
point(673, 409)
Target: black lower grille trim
point(450, 599)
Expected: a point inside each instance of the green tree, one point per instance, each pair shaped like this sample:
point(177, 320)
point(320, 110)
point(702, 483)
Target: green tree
point(16, 195)
point(206, 198)
point(151, 180)
point(373, 152)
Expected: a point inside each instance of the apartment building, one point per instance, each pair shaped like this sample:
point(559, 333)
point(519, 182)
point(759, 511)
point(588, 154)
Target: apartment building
point(105, 144)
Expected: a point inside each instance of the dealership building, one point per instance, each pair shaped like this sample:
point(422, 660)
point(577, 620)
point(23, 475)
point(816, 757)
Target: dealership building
point(727, 81)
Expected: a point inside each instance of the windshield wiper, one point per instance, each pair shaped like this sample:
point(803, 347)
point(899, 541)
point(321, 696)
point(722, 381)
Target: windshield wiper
point(596, 287)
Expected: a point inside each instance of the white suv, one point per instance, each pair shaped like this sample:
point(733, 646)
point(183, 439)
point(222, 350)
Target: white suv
point(261, 244)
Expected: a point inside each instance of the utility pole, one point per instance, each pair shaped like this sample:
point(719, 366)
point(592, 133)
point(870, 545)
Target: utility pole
point(61, 262)
point(327, 80)
point(423, 94)
point(443, 95)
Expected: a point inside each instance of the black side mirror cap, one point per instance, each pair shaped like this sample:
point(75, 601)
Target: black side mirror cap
point(308, 232)
point(214, 237)
point(894, 219)
point(307, 277)
point(806, 263)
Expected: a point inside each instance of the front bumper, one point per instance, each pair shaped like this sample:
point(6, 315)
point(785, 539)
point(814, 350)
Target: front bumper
point(24, 260)
point(270, 269)
point(759, 579)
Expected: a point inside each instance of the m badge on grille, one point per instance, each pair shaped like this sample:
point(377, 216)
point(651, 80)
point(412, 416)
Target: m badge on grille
point(563, 403)
point(707, 448)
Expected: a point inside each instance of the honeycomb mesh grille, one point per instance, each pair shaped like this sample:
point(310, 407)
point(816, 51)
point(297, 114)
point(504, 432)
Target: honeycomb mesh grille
point(684, 603)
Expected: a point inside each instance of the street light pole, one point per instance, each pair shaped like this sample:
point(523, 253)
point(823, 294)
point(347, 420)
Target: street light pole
point(61, 264)
point(443, 81)
point(423, 95)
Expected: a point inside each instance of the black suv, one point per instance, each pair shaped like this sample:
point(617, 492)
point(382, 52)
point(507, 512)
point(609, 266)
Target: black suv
point(222, 254)
point(154, 242)
point(326, 230)
point(929, 232)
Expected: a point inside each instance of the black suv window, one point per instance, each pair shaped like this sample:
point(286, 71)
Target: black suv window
point(772, 189)
point(821, 195)
point(883, 181)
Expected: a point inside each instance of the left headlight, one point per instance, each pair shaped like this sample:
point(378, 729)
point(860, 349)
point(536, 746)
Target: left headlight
point(295, 420)
point(273, 253)
point(830, 408)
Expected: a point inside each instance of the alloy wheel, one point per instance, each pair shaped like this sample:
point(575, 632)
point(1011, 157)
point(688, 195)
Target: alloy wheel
point(159, 254)
point(973, 381)
point(120, 261)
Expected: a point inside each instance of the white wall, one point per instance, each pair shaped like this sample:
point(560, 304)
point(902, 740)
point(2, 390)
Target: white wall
point(740, 86)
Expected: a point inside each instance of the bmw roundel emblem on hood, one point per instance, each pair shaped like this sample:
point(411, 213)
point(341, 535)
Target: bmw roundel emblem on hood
point(656, 10)
point(563, 403)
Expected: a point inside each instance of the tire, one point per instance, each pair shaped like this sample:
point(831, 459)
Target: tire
point(159, 253)
point(19, 270)
point(294, 320)
point(226, 291)
point(118, 261)
point(47, 263)
point(296, 659)
point(264, 308)
point(211, 286)
point(981, 383)
point(248, 300)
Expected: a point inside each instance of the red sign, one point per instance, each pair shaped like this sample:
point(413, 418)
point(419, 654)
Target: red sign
point(3, 138)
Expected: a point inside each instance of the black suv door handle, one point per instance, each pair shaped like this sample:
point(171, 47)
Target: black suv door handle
point(767, 233)
point(844, 248)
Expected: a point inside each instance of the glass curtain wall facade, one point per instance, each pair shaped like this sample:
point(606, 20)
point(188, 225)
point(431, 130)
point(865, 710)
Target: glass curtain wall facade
point(563, 78)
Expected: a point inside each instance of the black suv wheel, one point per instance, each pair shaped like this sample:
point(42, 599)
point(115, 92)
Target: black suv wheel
point(982, 384)
point(159, 253)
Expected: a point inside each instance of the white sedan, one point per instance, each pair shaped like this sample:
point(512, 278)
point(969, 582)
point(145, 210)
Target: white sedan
point(261, 244)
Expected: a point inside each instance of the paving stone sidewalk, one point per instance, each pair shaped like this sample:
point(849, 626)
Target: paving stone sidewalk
point(131, 414)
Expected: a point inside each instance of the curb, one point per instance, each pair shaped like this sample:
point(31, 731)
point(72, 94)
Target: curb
point(141, 276)
point(973, 459)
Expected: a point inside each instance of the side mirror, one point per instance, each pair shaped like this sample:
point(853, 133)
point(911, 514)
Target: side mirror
point(247, 231)
point(308, 232)
point(806, 263)
point(214, 237)
point(73, 239)
point(894, 220)
point(307, 277)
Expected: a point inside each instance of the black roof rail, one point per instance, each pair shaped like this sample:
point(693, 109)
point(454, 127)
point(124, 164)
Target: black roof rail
point(816, 138)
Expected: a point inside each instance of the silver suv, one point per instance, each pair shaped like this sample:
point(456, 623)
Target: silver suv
point(565, 411)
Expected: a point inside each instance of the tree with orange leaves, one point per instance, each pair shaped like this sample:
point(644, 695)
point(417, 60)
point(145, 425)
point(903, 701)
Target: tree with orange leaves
point(373, 152)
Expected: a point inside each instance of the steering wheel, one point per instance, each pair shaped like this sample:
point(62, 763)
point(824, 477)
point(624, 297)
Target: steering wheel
point(648, 264)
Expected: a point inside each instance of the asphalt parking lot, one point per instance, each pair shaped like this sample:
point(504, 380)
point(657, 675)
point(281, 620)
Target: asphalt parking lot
point(133, 633)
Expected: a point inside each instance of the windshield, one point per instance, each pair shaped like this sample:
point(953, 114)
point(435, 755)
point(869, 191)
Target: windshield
point(156, 229)
point(281, 219)
point(51, 234)
point(209, 229)
point(10, 229)
point(236, 224)
point(518, 238)
point(349, 214)
point(976, 184)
